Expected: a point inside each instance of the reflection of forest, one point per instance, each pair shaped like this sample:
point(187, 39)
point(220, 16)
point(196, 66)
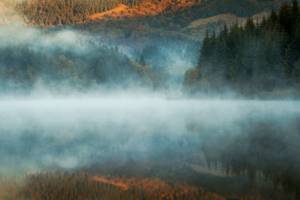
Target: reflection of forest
point(253, 157)
point(266, 151)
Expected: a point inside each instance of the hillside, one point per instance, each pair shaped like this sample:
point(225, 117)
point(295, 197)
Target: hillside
point(217, 22)
point(183, 18)
point(169, 14)
point(56, 12)
point(190, 21)
point(145, 8)
point(259, 57)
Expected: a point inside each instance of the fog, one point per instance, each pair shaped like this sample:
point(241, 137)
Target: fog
point(66, 60)
point(46, 133)
point(69, 59)
point(75, 100)
point(72, 100)
point(43, 39)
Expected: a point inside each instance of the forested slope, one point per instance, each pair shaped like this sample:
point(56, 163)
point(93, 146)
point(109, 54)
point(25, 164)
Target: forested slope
point(250, 59)
point(64, 59)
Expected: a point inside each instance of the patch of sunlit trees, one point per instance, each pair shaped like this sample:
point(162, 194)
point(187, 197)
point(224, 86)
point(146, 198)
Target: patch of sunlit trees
point(56, 12)
point(80, 186)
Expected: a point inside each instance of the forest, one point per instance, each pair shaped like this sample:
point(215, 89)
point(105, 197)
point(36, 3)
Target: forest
point(55, 61)
point(82, 186)
point(251, 58)
point(59, 12)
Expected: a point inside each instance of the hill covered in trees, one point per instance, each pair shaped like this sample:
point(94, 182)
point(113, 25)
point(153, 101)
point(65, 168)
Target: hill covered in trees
point(56, 12)
point(178, 18)
point(156, 13)
point(61, 59)
point(251, 59)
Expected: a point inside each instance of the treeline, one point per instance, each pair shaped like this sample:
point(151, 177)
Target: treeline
point(56, 12)
point(253, 57)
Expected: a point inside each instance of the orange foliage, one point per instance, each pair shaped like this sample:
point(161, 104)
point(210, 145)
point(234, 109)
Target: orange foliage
point(145, 8)
point(81, 186)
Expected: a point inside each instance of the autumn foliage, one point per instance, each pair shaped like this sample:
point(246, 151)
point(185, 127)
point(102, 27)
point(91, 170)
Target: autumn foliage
point(81, 186)
point(56, 12)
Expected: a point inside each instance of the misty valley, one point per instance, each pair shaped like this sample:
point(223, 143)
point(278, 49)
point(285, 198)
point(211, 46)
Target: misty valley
point(149, 100)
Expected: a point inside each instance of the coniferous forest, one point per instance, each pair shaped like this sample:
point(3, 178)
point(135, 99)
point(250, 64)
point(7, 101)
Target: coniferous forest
point(262, 55)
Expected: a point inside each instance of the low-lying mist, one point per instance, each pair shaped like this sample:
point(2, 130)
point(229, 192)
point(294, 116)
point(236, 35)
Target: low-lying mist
point(48, 133)
point(74, 100)
point(65, 60)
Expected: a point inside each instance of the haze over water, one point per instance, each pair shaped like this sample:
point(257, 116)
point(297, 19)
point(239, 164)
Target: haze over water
point(45, 133)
